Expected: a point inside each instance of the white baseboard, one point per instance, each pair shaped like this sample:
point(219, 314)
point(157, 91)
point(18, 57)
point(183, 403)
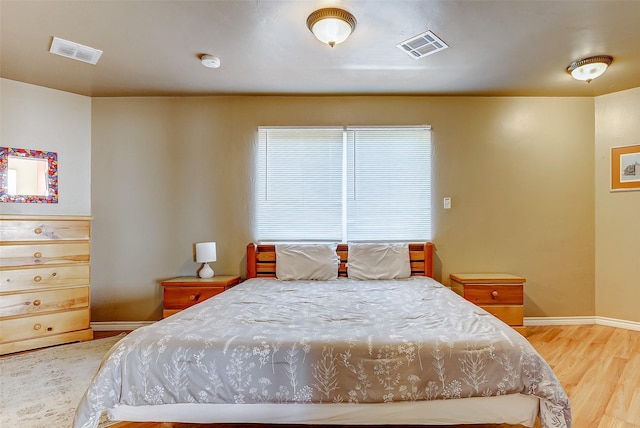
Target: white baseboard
point(611, 322)
point(559, 320)
point(528, 321)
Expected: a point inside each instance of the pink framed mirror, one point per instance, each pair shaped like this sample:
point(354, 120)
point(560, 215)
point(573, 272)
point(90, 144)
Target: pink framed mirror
point(29, 176)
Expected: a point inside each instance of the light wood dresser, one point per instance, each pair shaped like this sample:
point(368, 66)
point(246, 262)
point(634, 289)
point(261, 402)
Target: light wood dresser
point(500, 294)
point(44, 281)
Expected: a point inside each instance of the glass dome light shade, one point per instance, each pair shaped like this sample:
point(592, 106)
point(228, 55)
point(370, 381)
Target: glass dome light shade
point(589, 68)
point(331, 26)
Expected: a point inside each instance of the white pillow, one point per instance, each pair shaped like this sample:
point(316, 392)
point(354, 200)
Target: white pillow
point(307, 261)
point(378, 261)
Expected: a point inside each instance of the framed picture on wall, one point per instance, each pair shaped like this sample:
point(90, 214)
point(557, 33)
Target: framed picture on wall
point(625, 168)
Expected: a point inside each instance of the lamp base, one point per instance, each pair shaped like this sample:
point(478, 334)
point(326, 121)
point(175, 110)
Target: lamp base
point(205, 271)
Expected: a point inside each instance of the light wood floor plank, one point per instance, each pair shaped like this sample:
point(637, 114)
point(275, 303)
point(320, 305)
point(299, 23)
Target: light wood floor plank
point(625, 400)
point(608, 422)
point(592, 394)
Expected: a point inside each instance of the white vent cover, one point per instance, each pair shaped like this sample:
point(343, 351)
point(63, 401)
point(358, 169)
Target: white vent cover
point(75, 51)
point(422, 45)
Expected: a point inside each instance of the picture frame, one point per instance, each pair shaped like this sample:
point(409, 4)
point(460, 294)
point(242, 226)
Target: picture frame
point(625, 168)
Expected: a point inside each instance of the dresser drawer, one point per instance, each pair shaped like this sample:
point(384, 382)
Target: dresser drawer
point(36, 326)
point(183, 297)
point(41, 278)
point(494, 294)
point(43, 301)
point(43, 230)
point(43, 254)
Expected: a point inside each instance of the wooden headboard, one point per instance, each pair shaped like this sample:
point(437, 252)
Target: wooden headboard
point(261, 260)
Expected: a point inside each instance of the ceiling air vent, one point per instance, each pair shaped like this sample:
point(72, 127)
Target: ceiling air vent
point(75, 51)
point(422, 45)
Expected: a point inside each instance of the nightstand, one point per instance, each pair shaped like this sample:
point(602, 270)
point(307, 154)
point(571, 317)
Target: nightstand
point(502, 295)
point(185, 291)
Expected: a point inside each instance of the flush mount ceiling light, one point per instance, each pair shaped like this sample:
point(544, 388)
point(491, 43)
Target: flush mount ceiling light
point(331, 25)
point(210, 61)
point(588, 69)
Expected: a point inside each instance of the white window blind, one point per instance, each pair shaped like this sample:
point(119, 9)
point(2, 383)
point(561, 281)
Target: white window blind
point(389, 184)
point(334, 184)
point(299, 184)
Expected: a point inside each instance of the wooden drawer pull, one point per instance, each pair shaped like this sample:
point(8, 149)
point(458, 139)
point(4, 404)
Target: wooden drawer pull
point(38, 231)
point(37, 254)
point(494, 294)
point(37, 278)
point(194, 297)
point(36, 303)
point(37, 326)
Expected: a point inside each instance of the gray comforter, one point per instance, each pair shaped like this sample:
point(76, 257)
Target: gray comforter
point(343, 341)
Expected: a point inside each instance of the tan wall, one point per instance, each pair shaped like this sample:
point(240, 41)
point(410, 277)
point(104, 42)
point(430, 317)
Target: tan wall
point(168, 172)
point(37, 118)
point(617, 213)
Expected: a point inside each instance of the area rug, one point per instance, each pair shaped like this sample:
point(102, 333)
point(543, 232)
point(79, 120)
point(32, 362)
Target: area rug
point(41, 389)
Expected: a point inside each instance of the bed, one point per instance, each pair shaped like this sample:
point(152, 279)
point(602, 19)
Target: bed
point(346, 350)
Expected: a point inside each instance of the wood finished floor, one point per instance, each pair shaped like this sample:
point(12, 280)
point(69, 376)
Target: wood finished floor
point(598, 366)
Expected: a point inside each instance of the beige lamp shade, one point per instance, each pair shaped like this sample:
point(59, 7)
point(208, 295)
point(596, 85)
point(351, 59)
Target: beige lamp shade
point(205, 252)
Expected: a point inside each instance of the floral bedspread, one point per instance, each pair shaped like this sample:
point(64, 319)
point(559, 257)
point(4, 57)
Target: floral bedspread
point(342, 341)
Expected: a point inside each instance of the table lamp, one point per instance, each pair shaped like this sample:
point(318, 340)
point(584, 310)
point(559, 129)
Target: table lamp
point(205, 253)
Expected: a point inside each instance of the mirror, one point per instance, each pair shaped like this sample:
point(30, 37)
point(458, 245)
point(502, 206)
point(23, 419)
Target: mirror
point(28, 175)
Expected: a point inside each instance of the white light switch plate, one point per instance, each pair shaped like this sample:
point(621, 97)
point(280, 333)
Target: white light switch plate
point(447, 203)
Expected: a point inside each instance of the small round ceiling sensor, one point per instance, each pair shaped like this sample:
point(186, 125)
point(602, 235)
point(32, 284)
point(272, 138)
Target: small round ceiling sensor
point(210, 61)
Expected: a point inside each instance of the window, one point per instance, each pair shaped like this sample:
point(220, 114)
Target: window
point(344, 184)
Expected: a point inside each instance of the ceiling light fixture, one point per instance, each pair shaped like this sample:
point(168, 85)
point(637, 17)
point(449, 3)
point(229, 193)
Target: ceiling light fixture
point(210, 61)
point(588, 69)
point(331, 25)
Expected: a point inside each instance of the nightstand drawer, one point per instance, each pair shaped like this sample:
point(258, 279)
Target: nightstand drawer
point(169, 312)
point(494, 294)
point(183, 297)
point(510, 314)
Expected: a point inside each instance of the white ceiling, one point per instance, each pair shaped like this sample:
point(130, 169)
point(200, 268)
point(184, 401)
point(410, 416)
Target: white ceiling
point(151, 48)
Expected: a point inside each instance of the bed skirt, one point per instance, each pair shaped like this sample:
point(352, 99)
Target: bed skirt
point(514, 409)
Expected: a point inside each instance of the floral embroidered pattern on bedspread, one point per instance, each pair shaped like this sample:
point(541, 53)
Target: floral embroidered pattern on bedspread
point(342, 341)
